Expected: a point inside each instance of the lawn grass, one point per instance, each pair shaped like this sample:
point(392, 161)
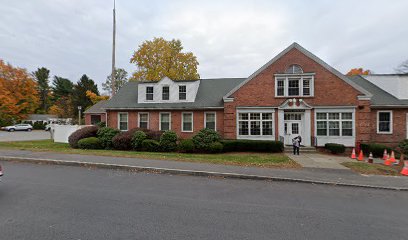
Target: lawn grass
point(274, 160)
point(370, 168)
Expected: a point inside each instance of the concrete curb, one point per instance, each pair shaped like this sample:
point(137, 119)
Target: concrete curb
point(189, 172)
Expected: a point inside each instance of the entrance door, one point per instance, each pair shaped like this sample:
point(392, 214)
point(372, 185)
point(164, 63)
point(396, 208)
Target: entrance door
point(293, 126)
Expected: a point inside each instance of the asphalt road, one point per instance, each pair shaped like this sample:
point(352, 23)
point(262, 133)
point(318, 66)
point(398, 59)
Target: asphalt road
point(56, 202)
point(24, 135)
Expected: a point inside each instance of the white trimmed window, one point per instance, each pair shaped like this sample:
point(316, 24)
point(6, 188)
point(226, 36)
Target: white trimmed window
point(144, 120)
point(165, 93)
point(210, 120)
point(334, 124)
point(294, 83)
point(165, 121)
point(123, 121)
point(255, 124)
point(182, 92)
point(384, 122)
point(149, 93)
point(187, 122)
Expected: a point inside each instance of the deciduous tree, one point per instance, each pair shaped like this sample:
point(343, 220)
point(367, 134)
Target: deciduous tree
point(159, 58)
point(95, 98)
point(402, 68)
point(358, 71)
point(121, 78)
point(18, 94)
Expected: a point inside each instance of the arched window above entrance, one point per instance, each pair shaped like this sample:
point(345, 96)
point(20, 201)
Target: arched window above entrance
point(294, 69)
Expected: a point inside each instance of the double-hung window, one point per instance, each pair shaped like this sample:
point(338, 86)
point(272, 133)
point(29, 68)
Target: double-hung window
point(255, 124)
point(182, 92)
point(293, 87)
point(334, 124)
point(149, 93)
point(210, 120)
point(123, 121)
point(165, 93)
point(384, 122)
point(187, 122)
point(165, 121)
point(144, 120)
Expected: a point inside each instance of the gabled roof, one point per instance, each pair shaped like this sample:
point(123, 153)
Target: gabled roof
point(97, 107)
point(209, 95)
point(40, 117)
point(380, 97)
point(295, 45)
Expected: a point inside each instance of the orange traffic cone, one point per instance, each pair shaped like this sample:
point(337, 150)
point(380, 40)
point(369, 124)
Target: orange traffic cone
point(404, 170)
point(360, 156)
point(353, 154)
point(392, 158)
point(387, 162)
point(385, 155)
point(370, 158)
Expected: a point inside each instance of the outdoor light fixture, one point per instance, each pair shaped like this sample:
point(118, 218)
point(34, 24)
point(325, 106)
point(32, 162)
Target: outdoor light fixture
point(79, 115)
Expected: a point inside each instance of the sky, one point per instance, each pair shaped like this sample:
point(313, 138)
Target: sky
point(229, 38)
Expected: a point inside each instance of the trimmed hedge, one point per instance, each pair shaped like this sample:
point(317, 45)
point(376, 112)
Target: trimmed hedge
point(335, 148)
point(90, 143)
point(376, 149)
point(252, 146)
point(106, 134)
point(216, 147)
point(137, 139)
point(168, 141)
point(39, 125)
point(186, 146)
point(204, 138)
point(150, 145)
point(79, 134)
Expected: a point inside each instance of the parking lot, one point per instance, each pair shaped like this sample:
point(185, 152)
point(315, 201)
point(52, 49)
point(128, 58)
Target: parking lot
point(24, 136)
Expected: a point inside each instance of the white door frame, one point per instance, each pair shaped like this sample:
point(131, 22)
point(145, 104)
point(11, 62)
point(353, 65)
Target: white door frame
point(288, 135)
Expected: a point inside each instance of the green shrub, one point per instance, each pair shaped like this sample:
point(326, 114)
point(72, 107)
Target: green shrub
point(404, 146)
point(79, 134)
point(376, 149)
point(106, 135)
point(186, 146)
point(203, 139)
point(39, 125)
point(150, 145)
point(216, 147)
point(101, 124)
point(335, 148)
point(252, 146)
point(168, 141)
point(90, 143)
point(137, 139)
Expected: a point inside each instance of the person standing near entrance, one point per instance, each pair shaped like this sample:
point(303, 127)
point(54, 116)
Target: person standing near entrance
point(296, 145)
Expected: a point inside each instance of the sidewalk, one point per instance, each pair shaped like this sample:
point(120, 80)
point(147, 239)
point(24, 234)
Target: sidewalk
point(310, 175)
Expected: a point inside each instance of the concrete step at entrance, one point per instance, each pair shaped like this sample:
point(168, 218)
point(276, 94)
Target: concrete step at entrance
point(302, 149)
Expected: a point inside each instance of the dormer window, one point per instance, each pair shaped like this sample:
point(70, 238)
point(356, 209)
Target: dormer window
point(294, 69)
point(165, 93)
point(149, 93)
point(182, 92)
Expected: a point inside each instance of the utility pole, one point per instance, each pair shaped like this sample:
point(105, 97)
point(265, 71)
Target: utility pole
point(113, 80)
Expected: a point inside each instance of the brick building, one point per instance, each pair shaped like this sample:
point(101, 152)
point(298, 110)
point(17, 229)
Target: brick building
point(295, 93)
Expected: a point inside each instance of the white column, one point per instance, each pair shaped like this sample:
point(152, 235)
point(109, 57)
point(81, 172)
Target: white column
point(307, 129)
point(281, 126)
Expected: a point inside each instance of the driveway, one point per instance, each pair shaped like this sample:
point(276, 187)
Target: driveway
point(24, 136)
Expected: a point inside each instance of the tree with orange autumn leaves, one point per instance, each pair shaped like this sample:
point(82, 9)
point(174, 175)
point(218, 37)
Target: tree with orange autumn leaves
point(95, 98)
point(358, 71)
point(18, 94)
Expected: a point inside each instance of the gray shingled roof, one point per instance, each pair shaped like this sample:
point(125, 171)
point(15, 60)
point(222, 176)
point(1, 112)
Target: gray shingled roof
point(98, 107)
point(40, 117)
point(209, 95)
point(380, 97)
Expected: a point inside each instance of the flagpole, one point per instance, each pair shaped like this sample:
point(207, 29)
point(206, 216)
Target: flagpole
point(113, 80)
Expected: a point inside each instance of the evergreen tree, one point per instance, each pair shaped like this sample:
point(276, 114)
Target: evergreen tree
point(62, 87)
point(79, 97)
point(42, 76)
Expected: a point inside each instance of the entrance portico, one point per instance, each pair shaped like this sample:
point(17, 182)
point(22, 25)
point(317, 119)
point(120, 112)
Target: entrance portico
point(294, 120)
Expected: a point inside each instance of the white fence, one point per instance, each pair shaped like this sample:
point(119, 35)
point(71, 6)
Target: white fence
point(60, 133)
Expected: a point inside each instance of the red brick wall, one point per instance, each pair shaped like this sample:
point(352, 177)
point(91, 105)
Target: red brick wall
point(399, 128)
point(198, 120)
point(329, 90)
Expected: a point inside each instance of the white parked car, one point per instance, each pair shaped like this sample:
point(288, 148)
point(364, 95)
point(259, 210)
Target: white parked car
point(18, 127)
point(1, 172)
